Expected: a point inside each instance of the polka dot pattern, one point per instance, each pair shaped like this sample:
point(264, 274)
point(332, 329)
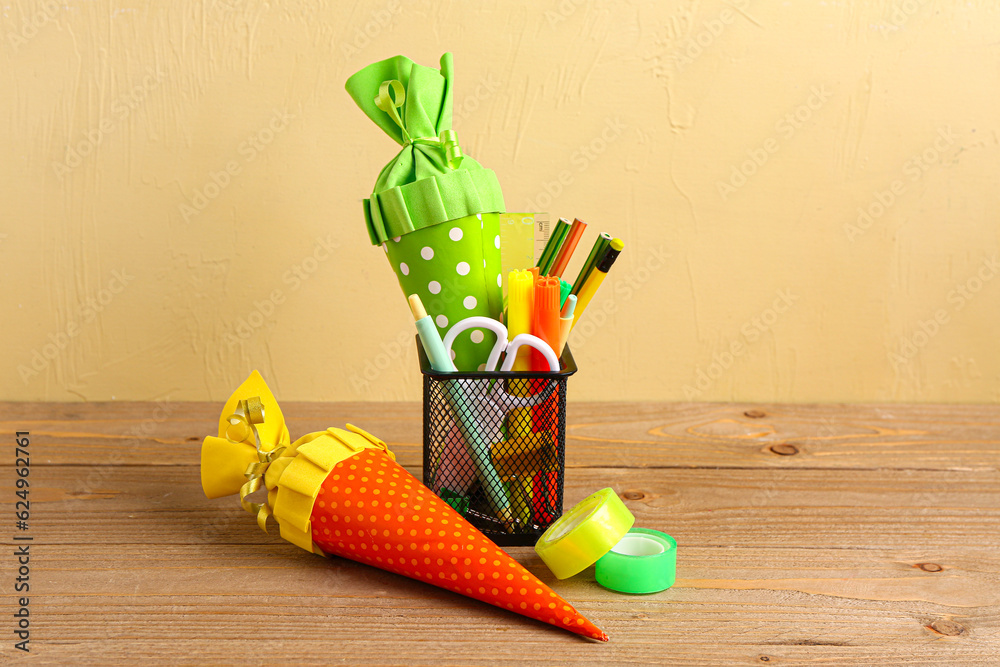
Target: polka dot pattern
point(446, 264)
point(425, 539)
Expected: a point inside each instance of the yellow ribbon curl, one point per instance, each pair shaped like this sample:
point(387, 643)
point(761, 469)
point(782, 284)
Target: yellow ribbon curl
point(390, 98)
point(250, 413)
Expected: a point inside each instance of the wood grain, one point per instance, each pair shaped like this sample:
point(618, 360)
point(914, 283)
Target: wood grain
point(599, 434)
point(807, 534)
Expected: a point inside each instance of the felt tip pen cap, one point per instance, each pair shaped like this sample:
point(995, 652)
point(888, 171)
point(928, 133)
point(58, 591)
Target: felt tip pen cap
point(565, 289)
point(570, 306)
point(610, 255)
point(430, 339)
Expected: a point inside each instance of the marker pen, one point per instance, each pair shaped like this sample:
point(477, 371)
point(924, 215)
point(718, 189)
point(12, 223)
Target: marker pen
point(597, 277)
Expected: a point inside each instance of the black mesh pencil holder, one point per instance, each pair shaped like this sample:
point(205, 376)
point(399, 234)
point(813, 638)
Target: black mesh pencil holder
point(495, 447)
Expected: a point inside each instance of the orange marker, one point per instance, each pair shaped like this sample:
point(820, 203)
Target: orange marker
point(545, 323)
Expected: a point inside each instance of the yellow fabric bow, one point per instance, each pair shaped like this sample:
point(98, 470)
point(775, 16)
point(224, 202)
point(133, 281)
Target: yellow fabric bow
point(253, 451)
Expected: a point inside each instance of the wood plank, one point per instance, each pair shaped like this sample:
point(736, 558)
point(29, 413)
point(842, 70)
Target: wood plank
point(608, 435)
point(175, 601)
point(439, 627)
point(734, 508)
point(847, 605)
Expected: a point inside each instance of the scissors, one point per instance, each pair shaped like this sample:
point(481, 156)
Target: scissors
point(502, 345)
point(494, 403)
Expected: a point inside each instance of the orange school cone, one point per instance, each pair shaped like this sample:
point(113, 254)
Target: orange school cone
point(341, 492)
point(371, 510)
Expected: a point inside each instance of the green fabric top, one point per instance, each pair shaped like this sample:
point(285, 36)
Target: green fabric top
point(429, 181)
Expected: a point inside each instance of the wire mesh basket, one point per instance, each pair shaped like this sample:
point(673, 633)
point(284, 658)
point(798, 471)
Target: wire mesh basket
point(495, 445)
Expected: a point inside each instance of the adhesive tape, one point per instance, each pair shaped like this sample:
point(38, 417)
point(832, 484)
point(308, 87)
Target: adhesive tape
point(585, 533)
point(644, 561)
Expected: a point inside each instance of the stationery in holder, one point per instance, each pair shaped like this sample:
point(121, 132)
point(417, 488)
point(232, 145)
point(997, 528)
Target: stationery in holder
point(528, 458)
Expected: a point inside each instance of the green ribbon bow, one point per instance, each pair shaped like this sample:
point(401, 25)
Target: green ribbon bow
point(390, 98)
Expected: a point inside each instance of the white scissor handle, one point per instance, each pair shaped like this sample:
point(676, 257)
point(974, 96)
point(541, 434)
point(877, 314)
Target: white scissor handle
point(532, 341)
point(480, 322)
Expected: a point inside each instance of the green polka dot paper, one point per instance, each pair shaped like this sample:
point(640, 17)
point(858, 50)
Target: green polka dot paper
point(454, 267)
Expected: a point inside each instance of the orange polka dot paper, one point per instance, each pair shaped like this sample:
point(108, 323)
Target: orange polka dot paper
point(371, 510)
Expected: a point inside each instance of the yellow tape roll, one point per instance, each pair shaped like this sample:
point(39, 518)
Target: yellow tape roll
point(585, 533)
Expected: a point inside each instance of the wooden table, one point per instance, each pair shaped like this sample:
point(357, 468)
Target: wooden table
point(807, 534)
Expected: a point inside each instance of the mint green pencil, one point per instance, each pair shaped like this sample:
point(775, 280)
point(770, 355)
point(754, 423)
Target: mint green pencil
point(479, 447)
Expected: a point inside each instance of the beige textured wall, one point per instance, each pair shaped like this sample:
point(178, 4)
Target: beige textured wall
point(182, 185)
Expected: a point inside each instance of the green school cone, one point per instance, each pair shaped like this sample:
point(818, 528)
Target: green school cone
point(434, 211)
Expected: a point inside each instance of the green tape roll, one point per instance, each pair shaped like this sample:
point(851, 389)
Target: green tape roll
point(644, 561)
point(585, 533)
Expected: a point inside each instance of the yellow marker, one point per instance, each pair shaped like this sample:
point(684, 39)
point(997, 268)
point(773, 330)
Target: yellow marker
point(597, 277)
point(520, 305)
point(520, 312)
